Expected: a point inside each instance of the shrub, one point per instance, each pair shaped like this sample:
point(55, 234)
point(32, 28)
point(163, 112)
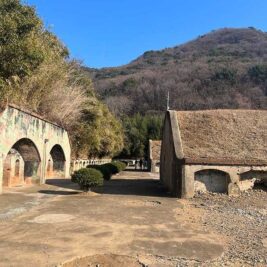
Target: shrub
point(87, 178)
point(113, 168)
point(109, 169)
point(119, 165)
point(104, 169)
point(123, 165)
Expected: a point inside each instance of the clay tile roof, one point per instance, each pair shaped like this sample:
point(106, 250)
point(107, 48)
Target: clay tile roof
point(155, 148)
point(224, 135)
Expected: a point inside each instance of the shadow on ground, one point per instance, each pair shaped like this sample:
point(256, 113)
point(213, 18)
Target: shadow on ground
point(117, 186)
point(59, 185)
point(59, 192)
point(137, 187)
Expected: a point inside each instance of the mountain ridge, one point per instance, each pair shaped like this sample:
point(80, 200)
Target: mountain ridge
point(225, 68)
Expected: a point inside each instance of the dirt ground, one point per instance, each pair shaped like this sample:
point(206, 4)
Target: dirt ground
point(131, 222)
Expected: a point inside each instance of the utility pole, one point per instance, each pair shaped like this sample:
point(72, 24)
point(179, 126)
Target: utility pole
point(168, 101)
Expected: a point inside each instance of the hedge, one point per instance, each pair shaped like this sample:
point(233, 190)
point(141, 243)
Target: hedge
point(87, 178)
point(109, 169)
point(104, 169)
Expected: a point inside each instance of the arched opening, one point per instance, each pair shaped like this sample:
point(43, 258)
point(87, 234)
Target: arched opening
point(7, 170)
point(57, 162)
point(49, 169)
point(22, 164)
point(215, 181)
point(17, 168)
point(253, 180)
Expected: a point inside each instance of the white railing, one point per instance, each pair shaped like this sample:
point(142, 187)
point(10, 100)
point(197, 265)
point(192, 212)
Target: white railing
point(83, 163)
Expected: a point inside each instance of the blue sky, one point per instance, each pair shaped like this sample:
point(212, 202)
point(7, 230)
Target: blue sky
point(104, 33)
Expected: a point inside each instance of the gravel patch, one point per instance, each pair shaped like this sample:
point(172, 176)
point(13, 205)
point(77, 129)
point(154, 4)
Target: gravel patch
point(243, 219)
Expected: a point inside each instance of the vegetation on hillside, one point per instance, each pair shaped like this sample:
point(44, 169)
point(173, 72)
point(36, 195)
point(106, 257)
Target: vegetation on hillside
point(36, 73)
point(223, 69)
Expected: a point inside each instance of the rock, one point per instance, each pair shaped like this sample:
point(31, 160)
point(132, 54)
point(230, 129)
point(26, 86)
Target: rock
point(233, 190)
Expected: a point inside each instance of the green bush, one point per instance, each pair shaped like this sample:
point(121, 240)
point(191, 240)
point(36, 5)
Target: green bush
point(109, 169)
point(120, 166)
point(113, 167)
point(87, 178)
point(123, 165)
point(104, 169)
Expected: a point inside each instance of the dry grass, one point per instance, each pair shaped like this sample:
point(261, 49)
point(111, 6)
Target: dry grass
point(238, 135)
point(53, 93)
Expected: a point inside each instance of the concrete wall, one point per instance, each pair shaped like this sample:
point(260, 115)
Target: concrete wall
point(13, 169)
point(154, 166)
point(170, 169)
point(238, 178)
point(211, 181)
point(153, 163)
point(16, 125)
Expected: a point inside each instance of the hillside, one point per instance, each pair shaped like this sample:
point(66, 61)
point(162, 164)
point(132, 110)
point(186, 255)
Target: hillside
point(226, 68)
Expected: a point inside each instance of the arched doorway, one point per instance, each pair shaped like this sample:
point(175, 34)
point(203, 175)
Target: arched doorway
point(17, 168)
point(49, 170)
point(22, 164)
point(211, 181)
point(253, 179)
point(57, 162)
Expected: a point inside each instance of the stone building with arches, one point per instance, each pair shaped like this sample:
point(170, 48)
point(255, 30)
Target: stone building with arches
point(32, 149)
point(222, 151)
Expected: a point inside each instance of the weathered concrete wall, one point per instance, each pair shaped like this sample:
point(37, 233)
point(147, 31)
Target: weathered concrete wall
point(170, 168)
point(154, 166)
point(154, 150)
point(211, 181)
point(16, 125)
point(13, 169)
point(240, 177)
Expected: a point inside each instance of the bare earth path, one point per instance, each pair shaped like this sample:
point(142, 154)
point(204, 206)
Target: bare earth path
point(131, 215)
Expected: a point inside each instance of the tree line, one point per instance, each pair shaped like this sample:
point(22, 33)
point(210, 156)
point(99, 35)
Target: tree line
point(138, 130)
point(37, 73)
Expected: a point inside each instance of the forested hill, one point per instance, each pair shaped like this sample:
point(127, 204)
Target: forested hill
point(226, 68)
point(36, 73)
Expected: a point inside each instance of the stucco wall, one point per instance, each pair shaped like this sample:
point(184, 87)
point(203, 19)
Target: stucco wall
point(236, 182)
point(154, 166)
point(170, 169)
point(16, 124)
